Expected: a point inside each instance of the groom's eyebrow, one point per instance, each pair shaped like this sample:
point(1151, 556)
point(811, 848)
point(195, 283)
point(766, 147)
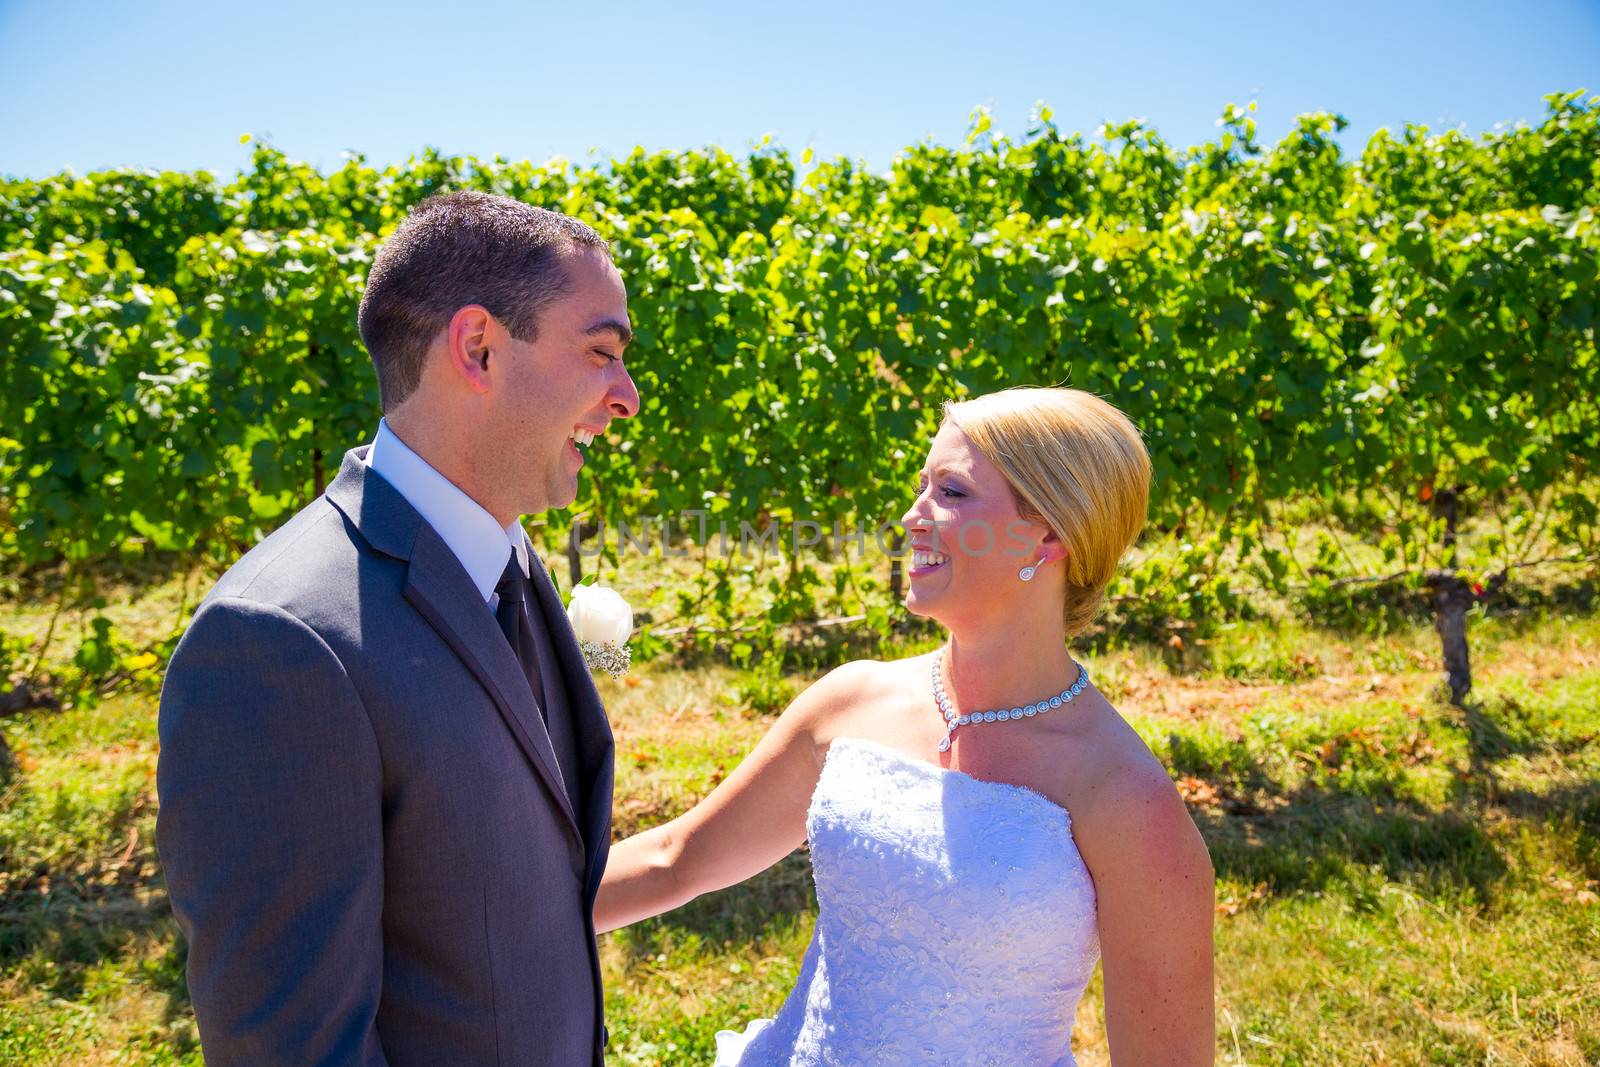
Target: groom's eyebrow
point(623, 331)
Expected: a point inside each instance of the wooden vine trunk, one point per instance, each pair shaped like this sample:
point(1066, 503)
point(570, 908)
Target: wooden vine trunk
point(1451, 597)
point(897, 541)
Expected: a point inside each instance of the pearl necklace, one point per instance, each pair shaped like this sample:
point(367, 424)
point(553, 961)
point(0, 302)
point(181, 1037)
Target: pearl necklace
point(952, 719)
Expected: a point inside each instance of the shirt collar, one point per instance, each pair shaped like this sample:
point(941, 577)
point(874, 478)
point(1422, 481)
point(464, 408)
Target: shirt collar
point(470, 532)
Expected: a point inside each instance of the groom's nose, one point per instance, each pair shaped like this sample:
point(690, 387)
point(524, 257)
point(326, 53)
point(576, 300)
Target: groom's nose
point(622, 399)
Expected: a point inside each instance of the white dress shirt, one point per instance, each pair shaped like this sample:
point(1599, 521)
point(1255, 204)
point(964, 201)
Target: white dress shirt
point(471, 532)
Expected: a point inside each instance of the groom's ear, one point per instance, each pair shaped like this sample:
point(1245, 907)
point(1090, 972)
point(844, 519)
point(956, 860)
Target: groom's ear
point(468, 351)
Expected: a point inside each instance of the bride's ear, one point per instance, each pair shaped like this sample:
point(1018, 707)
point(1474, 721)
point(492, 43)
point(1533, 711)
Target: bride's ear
point(1052, 548)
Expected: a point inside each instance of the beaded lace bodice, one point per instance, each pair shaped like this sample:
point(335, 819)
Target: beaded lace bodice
point(956, 923)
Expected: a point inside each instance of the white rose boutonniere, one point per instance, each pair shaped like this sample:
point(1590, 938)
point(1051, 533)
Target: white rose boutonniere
point(603, 622)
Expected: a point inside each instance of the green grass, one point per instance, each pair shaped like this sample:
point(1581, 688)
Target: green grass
point(1399, 882)
point(91, 968)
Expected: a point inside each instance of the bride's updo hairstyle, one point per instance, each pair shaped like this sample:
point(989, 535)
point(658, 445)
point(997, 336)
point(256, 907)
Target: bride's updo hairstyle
point(1075, 464)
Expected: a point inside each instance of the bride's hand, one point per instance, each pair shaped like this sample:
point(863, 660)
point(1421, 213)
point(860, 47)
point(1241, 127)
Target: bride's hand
point(755, 818)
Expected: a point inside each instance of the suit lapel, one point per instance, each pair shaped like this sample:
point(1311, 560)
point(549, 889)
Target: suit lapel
point(439, 588)
point(590, 725)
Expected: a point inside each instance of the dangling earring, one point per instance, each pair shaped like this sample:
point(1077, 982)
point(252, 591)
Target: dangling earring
point(1027, 573)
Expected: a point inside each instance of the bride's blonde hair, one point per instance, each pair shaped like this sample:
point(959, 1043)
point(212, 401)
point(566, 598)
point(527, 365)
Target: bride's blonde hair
point(1075, 464)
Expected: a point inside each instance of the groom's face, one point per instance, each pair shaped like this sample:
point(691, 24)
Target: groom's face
point(567, 384)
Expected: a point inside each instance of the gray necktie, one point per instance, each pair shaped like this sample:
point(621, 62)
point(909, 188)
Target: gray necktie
point(512, 615)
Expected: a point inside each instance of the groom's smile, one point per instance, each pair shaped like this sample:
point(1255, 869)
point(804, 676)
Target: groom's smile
point(581, 439)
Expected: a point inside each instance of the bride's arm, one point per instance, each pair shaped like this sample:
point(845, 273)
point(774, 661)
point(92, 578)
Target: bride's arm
point(1155, 901)
point(752, 820)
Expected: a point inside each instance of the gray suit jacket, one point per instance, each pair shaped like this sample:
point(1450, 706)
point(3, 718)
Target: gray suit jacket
point(363, 829)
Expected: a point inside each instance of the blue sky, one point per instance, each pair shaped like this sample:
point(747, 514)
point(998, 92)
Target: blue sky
point(174, 84)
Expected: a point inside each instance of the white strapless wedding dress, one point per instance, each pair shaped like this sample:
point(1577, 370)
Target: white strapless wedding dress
point(955, 925)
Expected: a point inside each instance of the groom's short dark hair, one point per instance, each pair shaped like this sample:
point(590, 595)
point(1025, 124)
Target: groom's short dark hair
point(453, 250)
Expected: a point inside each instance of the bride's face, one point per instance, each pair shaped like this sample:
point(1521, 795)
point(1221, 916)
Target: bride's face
point(967, 538)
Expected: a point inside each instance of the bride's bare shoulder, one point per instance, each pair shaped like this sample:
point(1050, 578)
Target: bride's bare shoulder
point(859, 687)
point(1125, 805)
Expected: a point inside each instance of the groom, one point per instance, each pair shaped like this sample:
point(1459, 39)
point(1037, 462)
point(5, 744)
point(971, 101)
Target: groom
point(385, 775)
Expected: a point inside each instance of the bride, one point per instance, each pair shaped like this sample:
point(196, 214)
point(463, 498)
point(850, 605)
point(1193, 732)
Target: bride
point(983, 824)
